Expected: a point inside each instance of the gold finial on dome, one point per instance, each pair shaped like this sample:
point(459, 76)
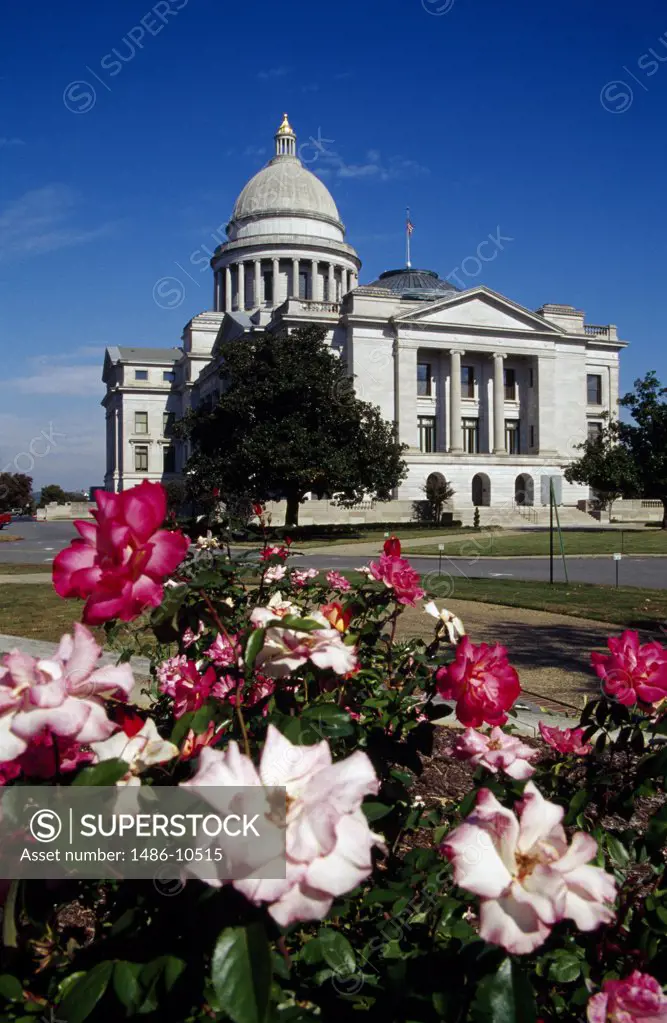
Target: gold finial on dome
point(285, 128)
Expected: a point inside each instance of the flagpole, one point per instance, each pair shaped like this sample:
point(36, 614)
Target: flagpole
point(407, 240)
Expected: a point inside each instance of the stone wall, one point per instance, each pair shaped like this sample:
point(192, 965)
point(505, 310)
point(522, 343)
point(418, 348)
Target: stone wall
point(72, 510)
point(322, 513)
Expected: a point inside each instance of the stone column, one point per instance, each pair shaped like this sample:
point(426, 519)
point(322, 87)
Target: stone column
point(241, 288)
point(257, 297)
point(498, 404)
point(332, 283)
point(547, 409)
point(314, 281)
point(405, 385)
point(455, 424)
point(275, 276)
point(295, 278)
point(228, 289)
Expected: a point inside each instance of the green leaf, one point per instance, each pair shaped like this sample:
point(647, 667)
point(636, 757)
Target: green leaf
point(80, 1001)
point(337, 951)
point(10, 988)
point(331, 721)
point(181, 728)
point(106, 773)
point(126, 984)
point(300, 624)
point(253, 647)
point(617, 851)
point(577, 803)
point(374, 811)
point(505, 997)
point(241, 973)
point(565, 969)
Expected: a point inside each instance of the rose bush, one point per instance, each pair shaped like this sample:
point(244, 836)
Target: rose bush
point(538, 893)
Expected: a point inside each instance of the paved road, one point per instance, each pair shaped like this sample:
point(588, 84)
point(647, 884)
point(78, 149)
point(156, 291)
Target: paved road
point(40, 544)
point(42, 541)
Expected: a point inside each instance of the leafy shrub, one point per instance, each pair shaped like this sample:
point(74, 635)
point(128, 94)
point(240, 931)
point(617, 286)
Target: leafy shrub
point(541, 890)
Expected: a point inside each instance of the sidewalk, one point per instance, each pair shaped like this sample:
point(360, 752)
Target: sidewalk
point(29, 577)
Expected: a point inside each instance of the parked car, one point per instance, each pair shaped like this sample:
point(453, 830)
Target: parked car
point(5, 519)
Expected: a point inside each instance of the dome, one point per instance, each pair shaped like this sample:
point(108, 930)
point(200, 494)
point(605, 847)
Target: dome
point(418, 285)
point(284, 186)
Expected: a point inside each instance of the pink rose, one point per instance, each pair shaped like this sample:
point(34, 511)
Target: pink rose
point(224, 651)
point(337, 581)
point(301, 578)
point(63, 695)
point(482, 681)
point(328, 841)
point(632, 672)
point(122, 559)
point(526, 875)
point(637, 999)
point(185, 683)
point(565, 740)
point(497, 752)
point(193, 744)
point(285, 650)
point(397, 574)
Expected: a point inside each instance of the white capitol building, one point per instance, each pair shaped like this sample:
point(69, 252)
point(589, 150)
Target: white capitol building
point(491, 395)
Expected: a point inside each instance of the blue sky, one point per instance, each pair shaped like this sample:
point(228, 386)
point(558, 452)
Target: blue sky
point(123, 146)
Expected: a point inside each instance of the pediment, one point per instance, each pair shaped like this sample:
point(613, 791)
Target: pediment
point(480, 307)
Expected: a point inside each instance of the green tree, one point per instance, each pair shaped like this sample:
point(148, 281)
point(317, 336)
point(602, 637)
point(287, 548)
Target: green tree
point(288, 423)
point(52, 492)
point(646, 437)
point(606, 465)
point(437, 492)
point(15, 491)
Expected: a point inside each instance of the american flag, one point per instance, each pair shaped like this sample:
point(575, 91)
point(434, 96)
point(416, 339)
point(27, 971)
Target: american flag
point(409, 226)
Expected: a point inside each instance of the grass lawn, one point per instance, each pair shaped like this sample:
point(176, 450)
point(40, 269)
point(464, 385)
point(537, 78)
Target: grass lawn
point(488, 543)
point(372, 536)
point(36, 611)
point(630, 606)
point(25, 569)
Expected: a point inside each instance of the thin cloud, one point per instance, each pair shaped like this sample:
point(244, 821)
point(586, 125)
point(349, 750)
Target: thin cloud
point(271, 73)
point(10, 143)
point(70, 380)
point(374, 168)
point(40, 221)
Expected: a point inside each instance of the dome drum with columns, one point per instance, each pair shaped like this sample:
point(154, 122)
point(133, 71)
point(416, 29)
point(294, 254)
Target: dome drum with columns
point(485, 393)
point(286, 239)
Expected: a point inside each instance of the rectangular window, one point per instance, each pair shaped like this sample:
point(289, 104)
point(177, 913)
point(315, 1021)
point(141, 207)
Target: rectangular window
point(594, 432)
point(427, 434)
point(303, 284)
point(141, 422)
point(169, 459)
point(141, 374)
point(168, 376)
point(594, 389)
point(168, 423)
point(512, 436)
point(267, 277)
point(531, 378)
point(424, 379)
point(467, 382)
point(141, 459)
point(510, 385)
point(532, 436)
point(471, 436)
